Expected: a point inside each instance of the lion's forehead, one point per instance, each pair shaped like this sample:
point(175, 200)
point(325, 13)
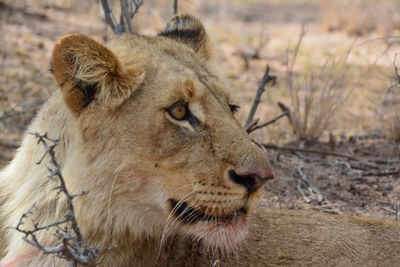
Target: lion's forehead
point(131, 49)
point(171, 64)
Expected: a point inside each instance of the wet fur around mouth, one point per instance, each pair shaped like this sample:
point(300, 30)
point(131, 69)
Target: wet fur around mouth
point(191, 215)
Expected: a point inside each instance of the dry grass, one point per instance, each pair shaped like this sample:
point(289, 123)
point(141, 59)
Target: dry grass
point(360, 17)
point(316, 93)
point(391, 109)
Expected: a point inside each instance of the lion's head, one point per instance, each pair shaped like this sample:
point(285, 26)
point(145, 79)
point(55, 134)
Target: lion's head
point(159, 147)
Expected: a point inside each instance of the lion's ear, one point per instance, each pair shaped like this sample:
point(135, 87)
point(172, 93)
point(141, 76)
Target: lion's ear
point(87, 71)
point(188, 30)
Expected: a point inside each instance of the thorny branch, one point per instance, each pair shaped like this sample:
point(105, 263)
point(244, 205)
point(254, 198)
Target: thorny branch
point(129, 8)
point(70, 245)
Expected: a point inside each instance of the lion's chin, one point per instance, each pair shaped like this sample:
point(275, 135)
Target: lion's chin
point(225, 232)
point(227, 236)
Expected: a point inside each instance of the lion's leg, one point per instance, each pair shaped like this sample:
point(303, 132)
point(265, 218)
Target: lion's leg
point(22, 259)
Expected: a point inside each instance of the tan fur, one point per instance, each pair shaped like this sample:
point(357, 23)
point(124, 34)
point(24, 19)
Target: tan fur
point(184, 27)
point(118, 141)
point(79, 59)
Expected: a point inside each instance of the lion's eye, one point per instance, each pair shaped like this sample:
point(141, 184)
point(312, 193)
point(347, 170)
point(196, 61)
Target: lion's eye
point(234, 108)
point(178, 111)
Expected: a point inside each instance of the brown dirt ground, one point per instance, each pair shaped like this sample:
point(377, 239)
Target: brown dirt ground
point(333, 184)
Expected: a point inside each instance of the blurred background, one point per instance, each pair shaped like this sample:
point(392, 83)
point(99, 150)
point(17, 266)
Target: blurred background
point(336, 68)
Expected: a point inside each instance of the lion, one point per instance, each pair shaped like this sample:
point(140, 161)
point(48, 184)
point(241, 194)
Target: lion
point(146, 126)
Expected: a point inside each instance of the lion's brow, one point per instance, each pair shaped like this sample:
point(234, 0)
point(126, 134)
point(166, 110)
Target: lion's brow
point(217, 97)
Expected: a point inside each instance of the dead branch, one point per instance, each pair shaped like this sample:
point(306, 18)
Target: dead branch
point(253, 127)
point(396, 210)
point(313, 151)
point(267, 78)
point(110, 19)
point(331, 153)
point(70, 245)
point(387, 161)
point(290, 62)
point(216, 263)
point(384, 173)
point(248, 53)
point(285, 108)
point(313, 192)
point(362, 166)
point(389, 210)
point(129, 9)
point(125, 18)
point(397, 75)
point(175, 7)
point(376, 134)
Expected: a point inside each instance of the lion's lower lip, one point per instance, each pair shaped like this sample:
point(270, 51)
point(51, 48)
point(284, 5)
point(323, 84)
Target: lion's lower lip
point(190, 215)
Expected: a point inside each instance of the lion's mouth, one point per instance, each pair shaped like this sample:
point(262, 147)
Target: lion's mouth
point(191, 215)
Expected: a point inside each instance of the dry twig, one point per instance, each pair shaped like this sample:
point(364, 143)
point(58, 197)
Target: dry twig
point(384, 173)
point(70, 245)
point(252, 127)
point(390, 112)
point(396, 210)
point(376, 134)
point(313, 192)
point(216, 263)
point(261, 89)
point(313, 151)
point(267, 78)
point(285, 108)
point(175, 7)
point(331, 153)
point(397, 75)
point(250, 53)
point(129, 8)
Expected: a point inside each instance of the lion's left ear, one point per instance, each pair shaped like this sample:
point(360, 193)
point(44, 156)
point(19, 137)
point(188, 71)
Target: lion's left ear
point(89, 72)
point(188, 30)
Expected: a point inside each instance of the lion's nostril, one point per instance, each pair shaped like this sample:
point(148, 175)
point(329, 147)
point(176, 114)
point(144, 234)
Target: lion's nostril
point(270, 176)
point(251, 182)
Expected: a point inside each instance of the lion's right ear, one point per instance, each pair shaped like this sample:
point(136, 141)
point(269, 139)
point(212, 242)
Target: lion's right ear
point(190, 31)
point(88, 71)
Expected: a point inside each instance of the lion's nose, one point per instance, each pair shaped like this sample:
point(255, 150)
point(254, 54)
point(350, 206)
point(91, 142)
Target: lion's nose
point(252, 180)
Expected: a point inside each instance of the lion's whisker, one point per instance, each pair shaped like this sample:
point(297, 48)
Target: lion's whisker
point(170, 223)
